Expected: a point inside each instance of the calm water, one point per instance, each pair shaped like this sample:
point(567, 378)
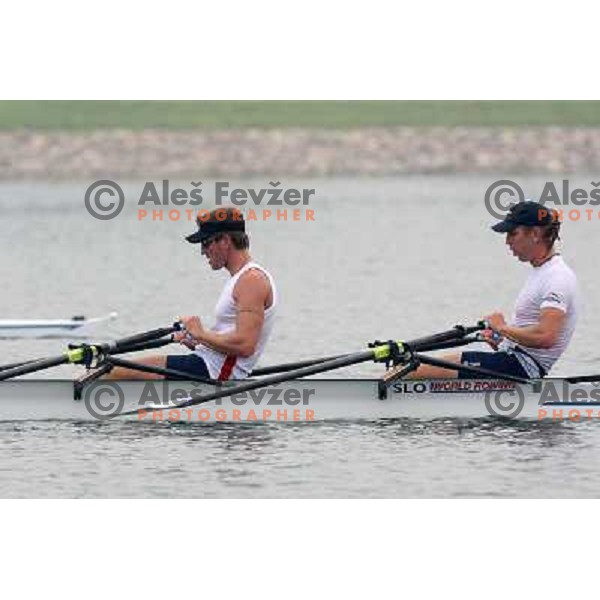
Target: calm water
point(397, 257)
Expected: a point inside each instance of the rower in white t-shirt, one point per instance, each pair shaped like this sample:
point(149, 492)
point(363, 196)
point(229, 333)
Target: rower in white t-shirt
point(544, 317)
point(545, 311)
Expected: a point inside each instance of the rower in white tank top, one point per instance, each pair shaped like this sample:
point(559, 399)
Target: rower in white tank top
point(245, 311)
point(220, 365)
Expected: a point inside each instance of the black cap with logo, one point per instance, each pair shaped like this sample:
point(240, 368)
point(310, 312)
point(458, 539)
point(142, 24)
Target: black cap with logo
point(220, 220)
point(528, 214)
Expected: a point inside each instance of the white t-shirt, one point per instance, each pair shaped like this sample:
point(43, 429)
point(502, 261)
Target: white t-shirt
point(552, 285)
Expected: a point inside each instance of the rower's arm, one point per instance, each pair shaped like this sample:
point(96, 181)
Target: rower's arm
point(543, 334)
point(251, 295)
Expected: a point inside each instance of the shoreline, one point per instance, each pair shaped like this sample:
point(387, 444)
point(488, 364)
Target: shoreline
point(367, 151)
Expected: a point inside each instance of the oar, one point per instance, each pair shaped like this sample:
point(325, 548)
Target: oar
point(377, 354)
point(458, 336)
point(78, 355)
point(284, 367)
point(145, 346)
point(126, 349)
point(140, 338)
point(138, 347)
point(40, 365)
point(425, 347)
point(456, 333)
point(583, 378)
point(17, 364)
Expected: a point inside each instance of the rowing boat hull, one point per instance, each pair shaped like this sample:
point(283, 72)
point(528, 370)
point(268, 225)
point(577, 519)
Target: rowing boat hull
point(301, 401)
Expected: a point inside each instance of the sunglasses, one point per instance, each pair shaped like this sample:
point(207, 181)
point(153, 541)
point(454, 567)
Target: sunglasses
point(206, 244)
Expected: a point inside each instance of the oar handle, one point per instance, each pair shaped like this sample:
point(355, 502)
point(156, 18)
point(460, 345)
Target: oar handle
point(141, 338)
point(17, 364)
point(456, 333)
point(159, 343)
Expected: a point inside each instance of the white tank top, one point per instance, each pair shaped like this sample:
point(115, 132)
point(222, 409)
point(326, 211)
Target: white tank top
point(221, 366)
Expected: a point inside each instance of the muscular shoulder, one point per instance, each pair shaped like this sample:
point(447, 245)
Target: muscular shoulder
point(255, 284)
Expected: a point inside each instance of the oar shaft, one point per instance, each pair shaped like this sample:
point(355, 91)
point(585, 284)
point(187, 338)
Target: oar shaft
point(78, 354)
point(583, 378)
point(378, 353)
point(17, 364)
point(441, 341)
point(456, 333)
point(141, 338)
point(261, 372)
point(32, 367)
point(248, 386)
point(145, 346)
point(445, 345)
point(336, 363)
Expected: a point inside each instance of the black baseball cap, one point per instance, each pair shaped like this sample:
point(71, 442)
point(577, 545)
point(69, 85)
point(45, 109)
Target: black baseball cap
point(526, 213)
point(220, 220)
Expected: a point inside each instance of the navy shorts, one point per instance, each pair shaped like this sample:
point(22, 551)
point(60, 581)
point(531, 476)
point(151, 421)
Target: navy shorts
point(501, 362)
point(190, 364)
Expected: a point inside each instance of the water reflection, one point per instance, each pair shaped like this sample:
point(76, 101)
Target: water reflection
point(543, 433)
point(260, 436)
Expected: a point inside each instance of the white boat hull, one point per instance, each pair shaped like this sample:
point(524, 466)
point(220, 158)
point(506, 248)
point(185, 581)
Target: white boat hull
point(305, 400)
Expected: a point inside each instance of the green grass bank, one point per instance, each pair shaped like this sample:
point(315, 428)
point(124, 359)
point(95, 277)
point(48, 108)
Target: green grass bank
point(181, 115)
